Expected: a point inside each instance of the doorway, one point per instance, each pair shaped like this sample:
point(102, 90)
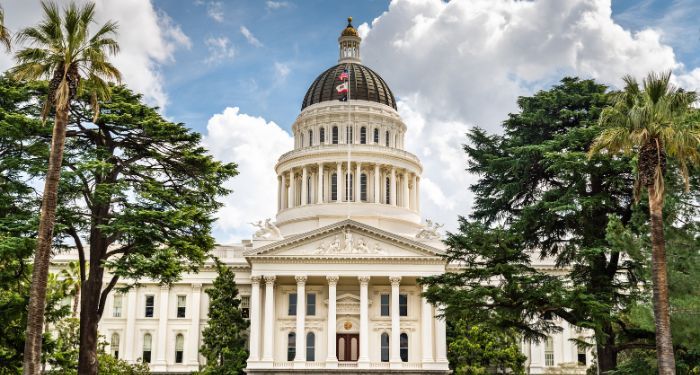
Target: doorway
point(347, 346)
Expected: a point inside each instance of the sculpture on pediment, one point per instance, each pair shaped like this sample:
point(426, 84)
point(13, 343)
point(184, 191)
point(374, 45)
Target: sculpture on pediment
point(429, 231)
point(266, 230)
point(349, 246)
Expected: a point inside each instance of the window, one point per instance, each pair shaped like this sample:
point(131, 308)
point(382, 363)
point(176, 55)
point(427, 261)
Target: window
point(114, 345)
point(181, 306)
point(548, 352)
point(363, 187)
point(348, 135)
point(581, 356)
point(349, 187)
point(386, 139)
point(117, 305)
point(388, 191)
point(147, 348)
point(292, 309)
point(179, 347)
point(309, 198)
point(149, 307)
point(310, 347)
point(403, 304)
point(384, 305)
point(291, 346)
point(335, 135)
point(310, 303)
point(322, 135)
point(385, 347)
point(334, 187)
point(363, 135)
point(245, 307)
point(376, 136)
point(311, 137)
point(301, 139)
point(403, 349)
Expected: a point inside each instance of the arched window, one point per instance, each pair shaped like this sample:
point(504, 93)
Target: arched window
point(335, 135)
point(385, 347)
point(291, 346)
point(376, 136)
point(308, 190)
point(348, 135)
point(322, 135)
point(311, 137)
point(387, 189)
point(386, 139)
point(114, 345)
point(363, 135)
point(334, 187)
point(147, 348)
point(349, 187)
point(403, 347)
point(310, 347)
point(363, 187)
point(179, 347)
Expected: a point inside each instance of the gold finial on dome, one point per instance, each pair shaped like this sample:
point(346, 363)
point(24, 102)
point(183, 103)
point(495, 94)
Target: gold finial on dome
point(349, 30)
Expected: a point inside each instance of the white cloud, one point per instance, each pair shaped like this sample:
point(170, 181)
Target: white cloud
point(219, 50)
point(148, 39)
point(273, 5)
point(250, 37)
point(215, 11)
point(462, 63)
point(254, 144)
point(282, 70)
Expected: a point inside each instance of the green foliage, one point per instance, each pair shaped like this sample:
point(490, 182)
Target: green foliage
point(477, 350)
point(224, 340)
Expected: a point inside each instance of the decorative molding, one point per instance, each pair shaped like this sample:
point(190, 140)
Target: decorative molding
point(332, 280)
point(395, 280)
point(301, 280)
point(364, 280)
point(349, 245)
point(255, 279)
point(270, 279)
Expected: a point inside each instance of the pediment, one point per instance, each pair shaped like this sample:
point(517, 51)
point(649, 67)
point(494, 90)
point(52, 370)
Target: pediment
point(346, 239)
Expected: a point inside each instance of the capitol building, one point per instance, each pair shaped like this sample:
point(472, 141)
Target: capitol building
point(330, 283)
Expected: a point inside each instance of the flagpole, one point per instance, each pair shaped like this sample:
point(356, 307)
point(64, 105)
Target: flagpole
point(349, 143)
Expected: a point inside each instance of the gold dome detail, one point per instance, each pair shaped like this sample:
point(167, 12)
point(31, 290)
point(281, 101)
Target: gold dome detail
point(349, 30)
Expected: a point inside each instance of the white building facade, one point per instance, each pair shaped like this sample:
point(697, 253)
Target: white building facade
point(331, 284)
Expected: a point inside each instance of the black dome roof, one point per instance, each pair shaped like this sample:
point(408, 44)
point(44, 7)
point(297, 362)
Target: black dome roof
point(365, 84)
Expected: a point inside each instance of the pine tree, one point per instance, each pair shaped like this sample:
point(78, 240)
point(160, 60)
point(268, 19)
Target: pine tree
point(224, 340)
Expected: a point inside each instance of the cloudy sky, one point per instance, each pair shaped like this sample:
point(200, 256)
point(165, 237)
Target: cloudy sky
point(237, 71)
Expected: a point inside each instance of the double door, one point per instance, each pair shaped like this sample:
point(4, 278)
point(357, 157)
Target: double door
point(347, 346)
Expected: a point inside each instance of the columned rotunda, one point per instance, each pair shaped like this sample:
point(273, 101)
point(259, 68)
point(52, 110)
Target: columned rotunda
point(330, 284)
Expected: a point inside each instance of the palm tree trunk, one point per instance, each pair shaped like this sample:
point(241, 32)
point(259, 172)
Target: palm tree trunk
point(662, 316)
point(37, 293)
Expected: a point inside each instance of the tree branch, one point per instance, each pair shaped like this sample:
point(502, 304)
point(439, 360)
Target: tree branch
point(81, 251)
point(105, 292)
point(122, 250)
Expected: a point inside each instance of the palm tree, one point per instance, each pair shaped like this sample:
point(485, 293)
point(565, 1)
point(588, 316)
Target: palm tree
point(61, 49)
point(74, 281)
point(4, 33)
point(652, 122)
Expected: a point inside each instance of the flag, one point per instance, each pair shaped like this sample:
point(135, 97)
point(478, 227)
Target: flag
point(342, 88)
point(343, 76)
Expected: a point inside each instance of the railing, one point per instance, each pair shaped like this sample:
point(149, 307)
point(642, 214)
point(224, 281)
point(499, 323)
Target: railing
point(356, 147)
point(288, 364)
point(347, 364)
point(315, 364)
point(411, 365)
point(379, 364)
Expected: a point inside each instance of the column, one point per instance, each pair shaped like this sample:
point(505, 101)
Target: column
point(130, 325)
point(193, 337)
point(268, 338)
point(427, 328)
point(357, 182)
point(394, 355)
point(441, 341)
point(283, 193)
point(300, 357)
point(331, 359)
point(363, 360)
point(279, 194)
point(392, 188)
point(292, 189)
point(254, 319)
point(319, 186)
point(418, 194)
point(405, 199)
point(162, 327)
point(377, 184)
point(340, 184)
point(304, 186)
point(414, 193)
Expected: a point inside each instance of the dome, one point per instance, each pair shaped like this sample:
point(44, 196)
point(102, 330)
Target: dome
point(365, 84)
point(349, 30)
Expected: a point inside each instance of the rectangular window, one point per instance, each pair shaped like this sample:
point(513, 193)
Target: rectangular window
point(322, 135)
point(181, 306)
point(334, 135)
point(334, 187)
point(149, 306)
point(245, 307)
point(384, 305)
point(363, 135)
point(581, 356)
point(363, 187)
point(376, 136)
point(311, 304)
point(292, 310)
point(548, 352)
point(403, 304)
point(348, 136)
point(117, 305)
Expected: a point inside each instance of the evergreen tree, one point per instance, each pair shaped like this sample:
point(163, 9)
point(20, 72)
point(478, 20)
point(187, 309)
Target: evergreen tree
point(477, 350)
point(536, 181)
point(224, 340)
